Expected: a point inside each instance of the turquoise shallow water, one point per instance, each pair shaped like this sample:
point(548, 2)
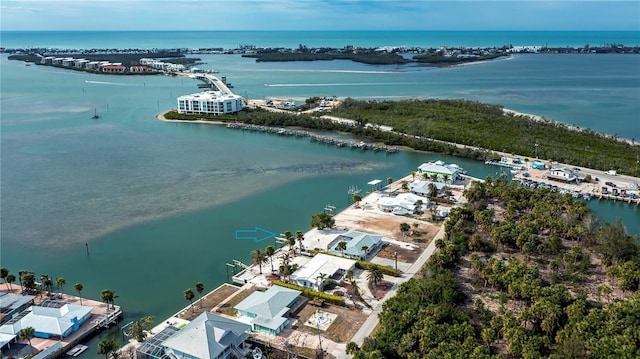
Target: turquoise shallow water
point(158, 202)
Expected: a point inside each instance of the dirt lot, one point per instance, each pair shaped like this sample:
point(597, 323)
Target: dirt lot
point(227, 308)
point(342, 329)
point(209, 301)
point(405, 255)
point(379, 290)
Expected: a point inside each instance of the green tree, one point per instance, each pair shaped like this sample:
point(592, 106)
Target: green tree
point(322, 221)
point(300, 238)
point(10, 280)
point(405, 186)
point(106, 346)
point(288, 237)
point(258, 257)
point(107, 296)
point(404, 228)
point(46, 283)
point(352, 348)
point(4, 272)
point(269, 252)
point(199, 288)
point(78, 288)
point(28, 280)
point(356, 199)
point(342, 246)
point(60, 282)
point(375, 276)
point(188, 295)
point(389, 180)
point(26, 334)
point(137, 332)
point(320, 280)
point(432, 190)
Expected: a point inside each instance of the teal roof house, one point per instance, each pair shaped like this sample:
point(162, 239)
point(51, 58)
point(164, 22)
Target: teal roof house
point(268, 311)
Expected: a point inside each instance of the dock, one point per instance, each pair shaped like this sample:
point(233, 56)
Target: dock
point(359, 145)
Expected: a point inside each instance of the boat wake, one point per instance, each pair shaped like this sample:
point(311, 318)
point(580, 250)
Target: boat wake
point(342, 84)
point(109, 83)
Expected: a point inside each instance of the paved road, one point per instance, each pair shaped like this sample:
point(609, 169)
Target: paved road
point(373, 319)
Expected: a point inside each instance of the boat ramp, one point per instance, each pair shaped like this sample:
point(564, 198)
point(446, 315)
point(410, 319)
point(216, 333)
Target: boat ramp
point(361, 145)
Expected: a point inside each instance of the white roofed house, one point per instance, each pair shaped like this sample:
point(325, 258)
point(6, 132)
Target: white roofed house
point(321, 265)
point(439, 170)
point(422, 188)
point(355, 241)
point(268, 311)
point(50, 319)
point(403, 203)
point(208, 336)
point(562, 174)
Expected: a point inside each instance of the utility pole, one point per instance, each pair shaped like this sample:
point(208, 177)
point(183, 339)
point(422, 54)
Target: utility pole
point(395, 254)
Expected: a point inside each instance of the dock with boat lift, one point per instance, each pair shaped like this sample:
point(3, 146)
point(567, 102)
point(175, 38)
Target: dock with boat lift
point(601, 190)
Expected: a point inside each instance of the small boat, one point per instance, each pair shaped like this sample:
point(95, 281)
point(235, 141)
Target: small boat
point(95, 114)
point(77, 350)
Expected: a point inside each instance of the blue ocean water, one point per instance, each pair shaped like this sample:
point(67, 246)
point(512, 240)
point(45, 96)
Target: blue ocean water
point(233, 39)
point(158, 202)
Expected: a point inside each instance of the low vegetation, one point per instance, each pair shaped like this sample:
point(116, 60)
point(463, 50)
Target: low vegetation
point(520, 273)
point(488, 126)
point(370, 58)
point(313, 294)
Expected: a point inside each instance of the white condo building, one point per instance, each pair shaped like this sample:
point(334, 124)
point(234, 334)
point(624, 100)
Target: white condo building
point(210, 102)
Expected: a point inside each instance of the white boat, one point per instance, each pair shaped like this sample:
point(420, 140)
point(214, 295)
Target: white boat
point(77, 350)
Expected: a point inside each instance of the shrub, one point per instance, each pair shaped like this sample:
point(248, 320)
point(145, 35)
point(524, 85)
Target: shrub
point(386, 270)
point(311, 294)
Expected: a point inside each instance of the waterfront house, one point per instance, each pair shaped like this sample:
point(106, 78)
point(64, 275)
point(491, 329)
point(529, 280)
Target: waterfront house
point(139, 69)
point(422, 188)
point(47, 59)
point(12, 304)
point(355, 242)
point(562, 174)
point(403, 202)
point(208, 336)
point(268, 311)
point(210, 102)
point(113, 69)
point(321, 266)
point(50, 319)
point(440, 171)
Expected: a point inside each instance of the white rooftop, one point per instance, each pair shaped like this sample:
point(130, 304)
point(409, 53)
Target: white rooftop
point(322, 263)
point(54, 321)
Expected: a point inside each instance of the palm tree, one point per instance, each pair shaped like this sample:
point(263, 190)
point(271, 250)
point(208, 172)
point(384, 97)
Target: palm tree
point(107, 296)
point(290, 240)
point(47, 283)
point(28, 280)
point(375, 276)
point(60, 282)
point(300, 238)
point(342, 245)
point(413, 175)
point(258, 257)
point(27, 334)
point(10, 280)
point(433, 190)
point(4, 272)
point(78, 288)
point(434, 177)
point(188, 295)
point(357, 198)
point(285, 268)
point(106, 346)
point(320, 280)
point(269, 252)
point(405, 186)
point(200, 289)
point(364, 249)
point(389, 180)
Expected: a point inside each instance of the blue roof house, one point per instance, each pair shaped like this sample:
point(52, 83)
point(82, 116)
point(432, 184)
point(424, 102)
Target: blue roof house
point(267, 311)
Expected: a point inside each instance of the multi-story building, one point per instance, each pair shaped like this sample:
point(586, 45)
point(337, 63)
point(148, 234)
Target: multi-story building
point(210, 102)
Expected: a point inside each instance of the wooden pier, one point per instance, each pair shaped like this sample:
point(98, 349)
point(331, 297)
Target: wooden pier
point(314, 137)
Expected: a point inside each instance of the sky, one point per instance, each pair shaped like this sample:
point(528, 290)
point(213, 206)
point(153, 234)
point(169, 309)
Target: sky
point(319, 15)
